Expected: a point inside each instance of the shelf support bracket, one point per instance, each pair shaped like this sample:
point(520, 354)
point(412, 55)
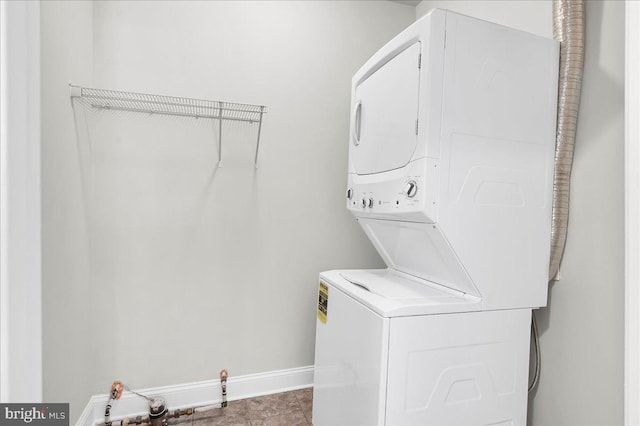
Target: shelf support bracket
point(220, 135)
point(255, 162)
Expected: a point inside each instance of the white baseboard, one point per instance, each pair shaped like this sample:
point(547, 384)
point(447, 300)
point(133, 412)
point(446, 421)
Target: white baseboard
point(198, 393)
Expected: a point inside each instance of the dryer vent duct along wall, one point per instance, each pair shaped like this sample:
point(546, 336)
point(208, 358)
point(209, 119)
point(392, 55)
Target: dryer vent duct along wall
point(569, 30)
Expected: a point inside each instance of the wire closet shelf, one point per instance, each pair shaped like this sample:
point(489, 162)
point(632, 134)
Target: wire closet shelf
point(176, 106)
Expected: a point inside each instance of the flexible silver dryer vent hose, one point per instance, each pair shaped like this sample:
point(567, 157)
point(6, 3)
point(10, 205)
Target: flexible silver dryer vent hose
point(569, 30)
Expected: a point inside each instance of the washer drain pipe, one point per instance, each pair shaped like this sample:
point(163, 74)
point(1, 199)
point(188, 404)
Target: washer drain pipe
point(569, 30)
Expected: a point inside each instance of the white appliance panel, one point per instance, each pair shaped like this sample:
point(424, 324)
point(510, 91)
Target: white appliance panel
point(498, 141)
point(385, 115)
point(350, 363)
point(462, 369)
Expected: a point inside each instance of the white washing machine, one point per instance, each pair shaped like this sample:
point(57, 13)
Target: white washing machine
point(450, 176)
point(400, 352)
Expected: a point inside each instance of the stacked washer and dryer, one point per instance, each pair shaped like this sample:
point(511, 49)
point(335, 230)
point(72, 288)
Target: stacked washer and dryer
point(450, 175)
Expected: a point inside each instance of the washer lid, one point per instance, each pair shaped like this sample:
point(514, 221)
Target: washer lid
point(384, 121)
point(393, 294)
point(420, 250)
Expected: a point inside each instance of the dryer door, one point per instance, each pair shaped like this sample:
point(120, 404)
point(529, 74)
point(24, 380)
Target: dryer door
point(384, 121)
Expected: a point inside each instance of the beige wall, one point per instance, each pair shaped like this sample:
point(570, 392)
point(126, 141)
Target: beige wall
point(159, 268)
point(71, 350)
point(582, 327)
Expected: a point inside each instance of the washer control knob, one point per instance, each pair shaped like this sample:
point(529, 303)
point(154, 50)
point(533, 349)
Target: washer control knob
point(349, 193)
point(363, 203)
point(370, 202)
point(411, 189)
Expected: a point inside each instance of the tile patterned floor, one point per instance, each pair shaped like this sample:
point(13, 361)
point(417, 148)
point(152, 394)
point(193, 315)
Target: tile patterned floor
point(282, 409)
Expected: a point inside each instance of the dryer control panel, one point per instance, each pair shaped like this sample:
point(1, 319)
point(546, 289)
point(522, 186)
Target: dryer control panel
point(408, 194)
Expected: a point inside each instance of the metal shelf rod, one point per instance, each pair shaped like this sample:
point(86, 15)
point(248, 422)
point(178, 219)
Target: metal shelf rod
point(179, 104)
point(180, 114)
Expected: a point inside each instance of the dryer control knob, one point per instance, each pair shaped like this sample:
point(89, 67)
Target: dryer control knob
point(363, 202)
point(370, 202)
point(411, 189)
point(349, 193)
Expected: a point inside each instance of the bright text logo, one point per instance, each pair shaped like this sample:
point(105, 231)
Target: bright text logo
point(36, 414)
